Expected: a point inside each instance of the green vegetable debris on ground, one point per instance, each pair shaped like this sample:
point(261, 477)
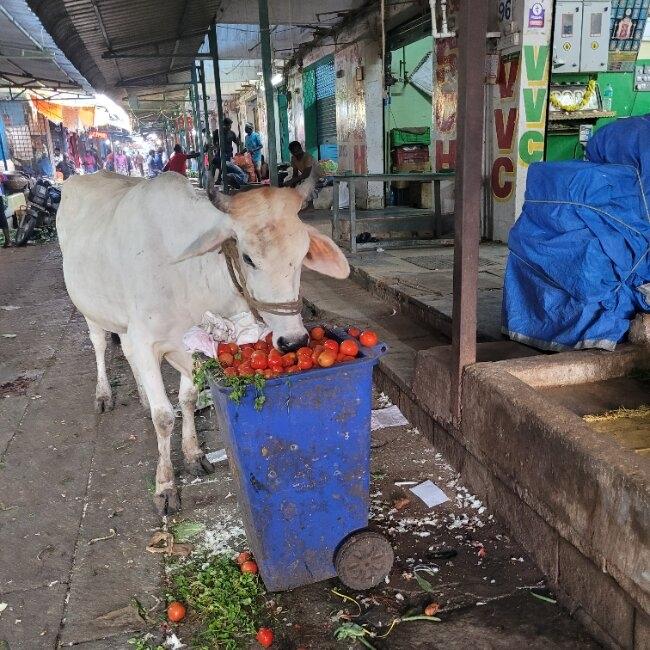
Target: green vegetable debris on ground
point(206, 368)
point(228, 604)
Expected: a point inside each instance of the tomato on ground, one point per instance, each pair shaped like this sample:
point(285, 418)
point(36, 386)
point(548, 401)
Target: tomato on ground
point(349, 348)
point(176, 611)
point(250, 566)
point(354, 331)
point(226, 359)
point(327, 358)
point(368, 338)
point(265, 637)
point(331, 344)
point(317, 333)
point(259, 360)
point(244, 556)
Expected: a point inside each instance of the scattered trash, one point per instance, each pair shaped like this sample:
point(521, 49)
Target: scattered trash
point(403, 483)
point(17, 386)
point(431, 609)
point(204, 400)
point(112, 533)
point(9, 307)
point(163, 542)
point(429, 569)
point(3, 606)
point(482, 552)
point(217, 456)
point(9, 336)
point(430, 493)
point(387, 417)
point(173, 642)
point(185, 530)
point(400, 504)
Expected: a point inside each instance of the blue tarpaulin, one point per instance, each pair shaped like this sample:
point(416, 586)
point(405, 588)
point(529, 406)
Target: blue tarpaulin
point(578, 256)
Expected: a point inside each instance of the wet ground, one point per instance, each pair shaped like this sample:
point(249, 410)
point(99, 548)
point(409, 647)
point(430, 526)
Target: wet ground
point(76, 514)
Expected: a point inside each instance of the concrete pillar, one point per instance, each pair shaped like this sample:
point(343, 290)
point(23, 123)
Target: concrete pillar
point(518, 113)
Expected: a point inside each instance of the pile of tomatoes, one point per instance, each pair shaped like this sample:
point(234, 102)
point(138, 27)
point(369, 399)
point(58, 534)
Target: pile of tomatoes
point(321, 352)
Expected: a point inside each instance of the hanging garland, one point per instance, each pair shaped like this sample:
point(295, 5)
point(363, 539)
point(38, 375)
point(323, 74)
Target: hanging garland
point(590, 89)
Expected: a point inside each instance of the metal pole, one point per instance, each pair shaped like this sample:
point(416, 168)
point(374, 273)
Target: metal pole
point(204, 95)
point(197, 124)
point(472, 27)
point(265, 41)
point(214, 49)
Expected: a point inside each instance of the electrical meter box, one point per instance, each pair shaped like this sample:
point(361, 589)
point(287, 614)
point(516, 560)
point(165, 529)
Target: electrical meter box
point(595, 35)
point(567, 37)
point(581, 37)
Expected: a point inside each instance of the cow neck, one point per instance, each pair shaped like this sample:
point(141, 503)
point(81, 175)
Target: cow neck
point(231, 254)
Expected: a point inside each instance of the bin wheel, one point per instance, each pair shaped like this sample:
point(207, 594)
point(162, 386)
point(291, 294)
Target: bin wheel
point(364, 560)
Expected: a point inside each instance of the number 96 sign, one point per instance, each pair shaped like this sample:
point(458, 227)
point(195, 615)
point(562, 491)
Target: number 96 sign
point(505, 10)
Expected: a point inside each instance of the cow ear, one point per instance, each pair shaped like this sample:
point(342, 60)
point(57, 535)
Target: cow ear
point(325, 256)
point(206, 243)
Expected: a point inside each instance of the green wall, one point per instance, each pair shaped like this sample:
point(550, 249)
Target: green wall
point(408, 105)
point(626, 102)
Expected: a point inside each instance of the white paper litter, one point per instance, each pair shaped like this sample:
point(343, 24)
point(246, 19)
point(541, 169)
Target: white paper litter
point(216, 456)
point(430, 493)
point(9, 307)
point(388, 417)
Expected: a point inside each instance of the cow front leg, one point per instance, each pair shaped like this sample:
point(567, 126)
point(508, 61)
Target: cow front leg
point(127, 349)
point(195, 461)
point(103, 394)
point(166, 499)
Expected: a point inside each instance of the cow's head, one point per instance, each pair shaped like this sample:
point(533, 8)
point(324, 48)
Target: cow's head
point(273, 245)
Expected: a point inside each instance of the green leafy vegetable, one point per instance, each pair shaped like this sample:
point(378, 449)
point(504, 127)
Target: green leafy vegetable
point(185, 530)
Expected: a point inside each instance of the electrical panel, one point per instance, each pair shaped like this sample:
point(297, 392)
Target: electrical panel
point(595, 35)
point(581, 38)
point(568, 37)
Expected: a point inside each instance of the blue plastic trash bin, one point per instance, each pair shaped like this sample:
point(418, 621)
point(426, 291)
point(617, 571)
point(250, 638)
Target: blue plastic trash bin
point(302, 464)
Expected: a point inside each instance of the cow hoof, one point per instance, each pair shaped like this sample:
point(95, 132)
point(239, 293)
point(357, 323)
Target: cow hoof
point(168, 502)
point(199, 466)
point(103, 404)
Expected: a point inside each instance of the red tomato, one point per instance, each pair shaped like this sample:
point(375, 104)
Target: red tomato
point(289, 359)
point(176, 612)
point(268, 373)
point(291, 369)
point(305, 363)
point(234, 348)
point(226, 359)
point(247, 353)
point(244, 556)
point(261, 345)
point(304, 352)
point(345, 357)
point(276, 365)
point(249, 566)
point(349, 348)
point(223, 347)
point(368, 338)
point(265, 637)
point(245, 370)
point(327, 358)
point(330, 344)
point(274, 354)
point(259, 360)
point(354, 331)
point(230, 372)
point(317, 333)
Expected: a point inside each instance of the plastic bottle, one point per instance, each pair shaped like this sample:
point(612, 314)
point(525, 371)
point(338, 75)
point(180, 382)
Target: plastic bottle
point(608, 95)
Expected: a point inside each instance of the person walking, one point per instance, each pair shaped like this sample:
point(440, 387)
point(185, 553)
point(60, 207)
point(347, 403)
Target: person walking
point(4, 224)
point(122, 163)
point(254, 146)
point(178, 160)
point(138, 161)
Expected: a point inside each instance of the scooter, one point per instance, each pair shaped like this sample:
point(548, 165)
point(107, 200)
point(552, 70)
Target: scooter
point(42, 205)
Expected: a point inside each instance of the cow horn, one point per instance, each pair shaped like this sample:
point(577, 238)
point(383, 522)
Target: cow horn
point(306, 188)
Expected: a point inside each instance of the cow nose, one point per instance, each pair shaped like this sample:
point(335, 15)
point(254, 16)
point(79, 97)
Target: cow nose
point(287, 344)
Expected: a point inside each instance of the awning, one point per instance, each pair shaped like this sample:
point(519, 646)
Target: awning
point(80, 115)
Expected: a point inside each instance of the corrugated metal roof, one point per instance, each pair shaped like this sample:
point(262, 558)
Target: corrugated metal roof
point(21, 29)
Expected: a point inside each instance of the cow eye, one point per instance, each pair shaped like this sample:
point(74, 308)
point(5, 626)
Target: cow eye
point(248, 261)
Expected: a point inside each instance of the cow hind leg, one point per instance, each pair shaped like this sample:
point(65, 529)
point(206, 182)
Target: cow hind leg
point(166, 499)
point(195, 461)
point(103, 394)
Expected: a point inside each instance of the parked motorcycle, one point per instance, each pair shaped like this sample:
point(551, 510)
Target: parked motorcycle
point(42, 205)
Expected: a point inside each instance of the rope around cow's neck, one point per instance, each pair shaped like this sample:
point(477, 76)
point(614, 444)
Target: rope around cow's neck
point(291, 308)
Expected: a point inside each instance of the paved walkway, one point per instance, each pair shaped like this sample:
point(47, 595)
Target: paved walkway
point(76, 514)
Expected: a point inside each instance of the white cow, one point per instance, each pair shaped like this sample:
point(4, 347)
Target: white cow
point(122, 239)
